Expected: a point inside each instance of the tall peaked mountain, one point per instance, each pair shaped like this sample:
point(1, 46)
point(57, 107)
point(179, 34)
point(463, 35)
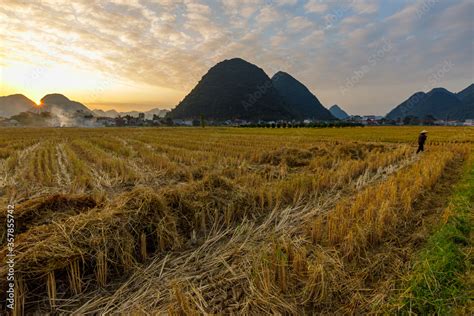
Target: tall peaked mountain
point(467, 94)
point(467, 98)
point(300, 101)
point(233, 89)
point(14, 104)
point(439, 103)
point(58, 102)
point(338, 112)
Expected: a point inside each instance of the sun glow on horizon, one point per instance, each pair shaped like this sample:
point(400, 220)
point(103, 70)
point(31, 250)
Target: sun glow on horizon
point(86, 86)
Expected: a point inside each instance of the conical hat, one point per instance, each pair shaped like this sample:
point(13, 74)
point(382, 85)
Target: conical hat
point(424, 131)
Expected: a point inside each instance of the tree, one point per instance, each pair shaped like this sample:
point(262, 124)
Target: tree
point(429, 120)
point(411, 120)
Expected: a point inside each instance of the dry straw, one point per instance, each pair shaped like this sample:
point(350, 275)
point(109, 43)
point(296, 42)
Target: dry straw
point(215, 227)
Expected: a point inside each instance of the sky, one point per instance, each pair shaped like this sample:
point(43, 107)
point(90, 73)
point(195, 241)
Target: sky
point(365, 55)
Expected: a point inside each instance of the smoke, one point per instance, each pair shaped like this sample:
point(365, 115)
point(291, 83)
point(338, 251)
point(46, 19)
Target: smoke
point(61, 118)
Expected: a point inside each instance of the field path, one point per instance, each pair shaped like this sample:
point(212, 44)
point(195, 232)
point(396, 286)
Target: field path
point(64, 178)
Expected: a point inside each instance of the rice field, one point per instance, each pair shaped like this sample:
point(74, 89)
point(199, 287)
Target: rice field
point(188, 221)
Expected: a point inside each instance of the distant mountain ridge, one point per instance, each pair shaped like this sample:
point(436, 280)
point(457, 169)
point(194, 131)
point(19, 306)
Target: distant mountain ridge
point(338, 112)
point(58, 102)
point(109, 113)
point(233, 89)
point(467, 98)
point(467, 93)
point(148, 114)
point(439, 103)
point(299, 100)
point(14, 104)
point(282, 97)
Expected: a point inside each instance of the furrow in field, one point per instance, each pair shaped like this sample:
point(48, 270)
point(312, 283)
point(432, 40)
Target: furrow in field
point(16, 166)
point(63, 176)
point(108, 169)
point(212, 220)
point(41, 169)
point(217, 276)
point(229, 244)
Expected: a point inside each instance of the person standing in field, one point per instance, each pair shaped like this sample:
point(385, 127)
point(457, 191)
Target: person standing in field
point(421, 141)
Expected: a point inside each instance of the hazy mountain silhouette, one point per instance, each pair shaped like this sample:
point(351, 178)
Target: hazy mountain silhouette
point(109, 113)
point(160, 112)
point(15, 104)
point(299, 100)
point(439, 103)
point(233, 89)
point(58, 102)
point(148, 114)
point(338, 112)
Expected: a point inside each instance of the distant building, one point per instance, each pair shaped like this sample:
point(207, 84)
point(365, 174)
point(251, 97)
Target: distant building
point(181, 122)
point(9, 122)
point(366, 119)
point(119, 121)
point(106, 121)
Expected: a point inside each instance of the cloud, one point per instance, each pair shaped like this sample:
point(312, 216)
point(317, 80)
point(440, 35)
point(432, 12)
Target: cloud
point(365, 6)
point(278, 40)
point(316, 37)
point(316, 6)
point(267, 16)
point(286, 2)
point(299, 23)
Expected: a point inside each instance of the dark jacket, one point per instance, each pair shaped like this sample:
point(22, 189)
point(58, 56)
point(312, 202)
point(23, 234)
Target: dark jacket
point(421, 139)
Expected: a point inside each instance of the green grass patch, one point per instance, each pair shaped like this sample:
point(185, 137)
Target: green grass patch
point(437, 283)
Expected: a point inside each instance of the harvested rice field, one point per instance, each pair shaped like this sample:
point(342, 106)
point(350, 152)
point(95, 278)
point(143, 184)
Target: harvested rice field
point(194, 221)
